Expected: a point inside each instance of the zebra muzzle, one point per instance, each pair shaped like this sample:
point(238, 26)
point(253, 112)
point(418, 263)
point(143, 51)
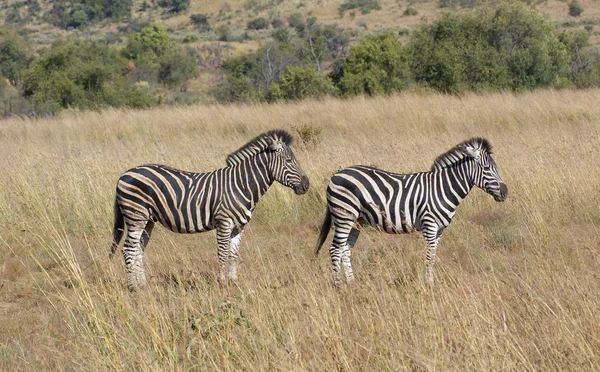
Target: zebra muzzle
point(502, 193)
point(303, 186)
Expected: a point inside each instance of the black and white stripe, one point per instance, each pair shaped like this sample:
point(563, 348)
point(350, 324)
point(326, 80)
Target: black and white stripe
point(187, 202)
point(402, 203)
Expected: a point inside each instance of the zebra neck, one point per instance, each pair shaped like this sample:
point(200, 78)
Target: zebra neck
point(253, 177)
point(454, 182)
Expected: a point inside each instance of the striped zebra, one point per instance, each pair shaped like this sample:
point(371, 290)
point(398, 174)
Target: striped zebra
point(403, 203)
point(187, 202)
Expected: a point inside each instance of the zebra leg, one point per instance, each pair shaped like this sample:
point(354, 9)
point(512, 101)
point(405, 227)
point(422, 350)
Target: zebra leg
point(339, 248)
point(146, 234)
point(224, 232)
point(432, 234)
point(346, 252)
point(133, 254)
point(236, 236)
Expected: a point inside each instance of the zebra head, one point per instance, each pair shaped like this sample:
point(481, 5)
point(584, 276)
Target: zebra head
point(284, 167)
point(484, 172)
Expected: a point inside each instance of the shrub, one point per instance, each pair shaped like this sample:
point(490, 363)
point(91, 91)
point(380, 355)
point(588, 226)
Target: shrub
point(410, 11)
point(365, 6)
point(258, 24)
point(575, 9)
point(174, 6)
point(223, 33)
point(298, 82)
point(200, 21)
point(378, 65)
point(276, 23)
point(146, 46)
point(295, 21)
point(190, 38)
point(81, 74)
point(14, 55)
point(176, 69)
point(506, 47)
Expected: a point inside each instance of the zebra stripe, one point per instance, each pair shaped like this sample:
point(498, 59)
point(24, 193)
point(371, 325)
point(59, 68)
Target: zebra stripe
point(403, 203)
point(187, 202)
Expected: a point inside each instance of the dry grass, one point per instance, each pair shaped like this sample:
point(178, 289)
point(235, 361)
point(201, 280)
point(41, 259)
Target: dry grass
point(517, 283)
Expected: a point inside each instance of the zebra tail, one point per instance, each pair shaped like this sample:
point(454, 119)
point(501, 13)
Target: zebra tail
point(118, 229)
point(324, 231)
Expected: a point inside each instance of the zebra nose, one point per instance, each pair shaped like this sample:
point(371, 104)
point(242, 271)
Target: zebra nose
point(503, 192)
point(304, 186)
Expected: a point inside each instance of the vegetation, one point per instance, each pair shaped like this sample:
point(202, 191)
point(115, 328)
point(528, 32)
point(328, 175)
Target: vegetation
point(504, 45)
point(378, 65)
point(517, 282)
point(81, 75)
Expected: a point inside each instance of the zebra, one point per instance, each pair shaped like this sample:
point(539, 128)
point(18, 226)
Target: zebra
point(403, 203)
point(186, 202)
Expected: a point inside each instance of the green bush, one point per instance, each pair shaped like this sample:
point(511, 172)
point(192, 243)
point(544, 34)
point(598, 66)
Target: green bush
point(276, 23)
point(14, 55)
point(200, 21)
point(176, 69)
point(508, 46)
point(377, 65)
point(190, 38)
point(410, 11)
point(365, 6)
point(258, 24)
point(81, 74)
point(298, 82)
point(295, 21)
point(148, 45)
point(174, 6)
point(575, 9)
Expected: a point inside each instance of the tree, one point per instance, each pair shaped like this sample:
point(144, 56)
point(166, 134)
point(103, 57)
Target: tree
point(81, 74)
point(378, 65)
point(14, 55)
point(298, 82)
point(508, 46)
point(200, 21)
point(258, 24)
point(147, 46)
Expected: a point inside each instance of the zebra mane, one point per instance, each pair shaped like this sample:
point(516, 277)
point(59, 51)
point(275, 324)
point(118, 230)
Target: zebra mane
point(258, 145)
point(459, 152)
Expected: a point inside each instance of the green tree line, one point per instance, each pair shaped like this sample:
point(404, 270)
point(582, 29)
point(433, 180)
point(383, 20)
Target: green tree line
point(504, 47)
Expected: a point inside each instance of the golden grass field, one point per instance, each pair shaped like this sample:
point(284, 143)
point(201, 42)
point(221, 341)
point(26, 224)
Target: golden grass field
point(517, 283)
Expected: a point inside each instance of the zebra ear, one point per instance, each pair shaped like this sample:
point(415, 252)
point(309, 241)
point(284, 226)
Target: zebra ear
point(274, 144)
point(473, 152)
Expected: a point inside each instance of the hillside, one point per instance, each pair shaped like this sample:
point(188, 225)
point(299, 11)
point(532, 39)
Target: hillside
point(233, 16)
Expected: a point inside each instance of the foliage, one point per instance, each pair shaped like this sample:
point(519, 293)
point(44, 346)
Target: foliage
point(584, 63)
point(81, 74)
point(174, 6)
point(410, 11)
point(575, 9)
point(378, 65)
point(365, 6)
point(78, 13)
point(14, 55)
point(258, 24)
point(298, 82)
point(257, 76)
point(505, 47)
point(176, 69)
point(295, 21)
point(200, 21)
point(276, 23)
point(147, 46)
point(190, 38)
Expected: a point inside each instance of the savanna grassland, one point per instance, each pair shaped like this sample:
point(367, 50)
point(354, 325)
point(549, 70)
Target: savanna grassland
point(517, 283)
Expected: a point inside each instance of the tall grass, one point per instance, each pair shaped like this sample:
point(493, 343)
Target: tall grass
point(517, 283)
